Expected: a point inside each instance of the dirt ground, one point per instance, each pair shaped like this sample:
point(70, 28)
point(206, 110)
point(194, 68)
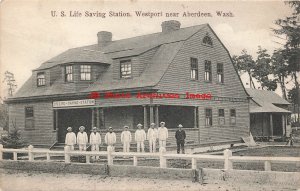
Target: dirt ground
point(28, 181)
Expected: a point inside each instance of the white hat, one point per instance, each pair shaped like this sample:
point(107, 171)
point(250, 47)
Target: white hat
point(126, 126)
point(82, 127)
point(110, 128)
point(162, 122)
point(69, 129)
point(152, 124)
point(180, 125)
point(94, 128)
point(139, 125)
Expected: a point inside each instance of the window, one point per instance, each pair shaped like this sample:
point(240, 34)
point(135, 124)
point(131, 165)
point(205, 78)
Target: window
point(220, 73)
point(207, 40)
point(85, 72)
point(125, 68)
point(207, 69)
point(69, 73)
point(232, 116)
point(41, 79)
point(29, 120)
point(194, 68)
point(208, 117)
point(221, 117)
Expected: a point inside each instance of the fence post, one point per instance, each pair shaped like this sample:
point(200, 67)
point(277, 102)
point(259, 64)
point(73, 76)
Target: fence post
point(1, 152)
point(15, 156)
point(267, 166)
point(227, 161)
point(30, 153)
point(109, 156)
point(67, 154)
point(162, 159)
point(194, 163)
point(134, 161)
point(48, 157)
point(87, 158)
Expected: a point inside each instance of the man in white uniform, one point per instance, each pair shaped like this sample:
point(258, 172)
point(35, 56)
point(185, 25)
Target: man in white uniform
point(140, 137)
point(151, 137)
point(162, 135)
point(70, 138)
point(126, 139)
point(95, 141)
point(110, 139)
point(82, 139)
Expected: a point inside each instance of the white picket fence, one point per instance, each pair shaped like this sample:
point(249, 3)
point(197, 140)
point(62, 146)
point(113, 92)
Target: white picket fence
point(227, 157)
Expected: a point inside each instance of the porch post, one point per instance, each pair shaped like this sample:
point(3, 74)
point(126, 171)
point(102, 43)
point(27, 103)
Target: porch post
point(102, 117)
point(145, 116)
point(156, 115)
point(151, 114)
point(56, 120)
point(98, 117)
point(195, 117)
point(271, 125)
point(283, 124)
point(93, 117)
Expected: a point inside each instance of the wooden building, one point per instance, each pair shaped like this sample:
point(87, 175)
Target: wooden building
point(69, 89)
point(269, 114)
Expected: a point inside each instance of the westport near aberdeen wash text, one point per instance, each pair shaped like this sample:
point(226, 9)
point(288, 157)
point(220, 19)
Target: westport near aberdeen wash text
point(147, 14)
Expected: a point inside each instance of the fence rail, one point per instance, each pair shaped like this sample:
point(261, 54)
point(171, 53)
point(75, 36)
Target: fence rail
point(227, 157)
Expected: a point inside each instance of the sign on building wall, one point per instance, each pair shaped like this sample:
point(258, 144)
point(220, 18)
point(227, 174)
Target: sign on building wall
point(73, 103)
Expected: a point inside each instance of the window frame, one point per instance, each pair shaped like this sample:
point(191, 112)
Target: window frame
point(40, 81)
point(220, 73)
point(221, 117)
point(69, 74)
point(127, 63)
point(85, 69)
point(194, 68)
point(209, 71)
point(29, 119)
point(209, 42)
point(210, 117)
point(232, 117)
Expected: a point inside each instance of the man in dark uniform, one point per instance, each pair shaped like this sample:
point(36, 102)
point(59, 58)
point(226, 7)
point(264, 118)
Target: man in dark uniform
point(180, 137)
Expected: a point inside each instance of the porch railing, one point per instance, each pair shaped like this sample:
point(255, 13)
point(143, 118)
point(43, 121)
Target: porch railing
point(227, 157)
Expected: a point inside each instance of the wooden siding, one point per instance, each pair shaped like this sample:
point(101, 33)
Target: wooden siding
point(177, 77)
point(143, 60)
point(43, 132)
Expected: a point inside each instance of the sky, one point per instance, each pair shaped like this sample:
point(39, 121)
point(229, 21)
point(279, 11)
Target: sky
point(30, 35)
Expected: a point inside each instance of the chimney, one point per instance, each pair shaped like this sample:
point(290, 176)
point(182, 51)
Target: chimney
point(104, 38)
point(169, 26)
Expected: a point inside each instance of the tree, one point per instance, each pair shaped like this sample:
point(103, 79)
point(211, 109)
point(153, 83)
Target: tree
point(10, 81)
point(245, 64)
point(262, 70)
point(279, 70)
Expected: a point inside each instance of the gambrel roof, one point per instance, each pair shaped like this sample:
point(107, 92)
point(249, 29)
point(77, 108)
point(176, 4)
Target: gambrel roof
point(165, 44)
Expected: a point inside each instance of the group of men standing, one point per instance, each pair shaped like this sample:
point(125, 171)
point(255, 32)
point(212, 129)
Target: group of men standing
point(154, 133)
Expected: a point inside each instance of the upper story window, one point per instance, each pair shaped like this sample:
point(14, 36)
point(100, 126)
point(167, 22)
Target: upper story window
point(41, 79)
point(125, 69)
point(194, 68)
point(232, 116)
point(85, 72)
point(221, 117)
point(207, 40)
point(69, 73)
point(220, 73)
point(208, 117)
point(207, 71)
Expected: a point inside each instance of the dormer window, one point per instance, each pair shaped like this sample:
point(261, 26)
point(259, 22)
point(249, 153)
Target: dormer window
point(69, 73)
point(85, 72)
point(41, 79)
point(207, 40)
point(125, 69)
